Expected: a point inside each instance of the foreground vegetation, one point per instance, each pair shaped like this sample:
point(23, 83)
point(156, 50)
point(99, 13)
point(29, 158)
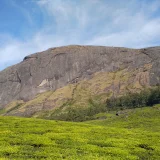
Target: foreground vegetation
point(133, 135)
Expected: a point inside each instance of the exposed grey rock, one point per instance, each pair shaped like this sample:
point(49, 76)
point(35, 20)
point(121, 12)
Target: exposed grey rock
point(56, 67)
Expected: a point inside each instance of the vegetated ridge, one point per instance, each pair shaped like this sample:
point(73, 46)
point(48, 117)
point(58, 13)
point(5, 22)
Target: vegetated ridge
point(77, 77)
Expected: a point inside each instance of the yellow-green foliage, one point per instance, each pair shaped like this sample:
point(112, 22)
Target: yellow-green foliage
point(134, 135)
point(60, 96)
point(12, 106)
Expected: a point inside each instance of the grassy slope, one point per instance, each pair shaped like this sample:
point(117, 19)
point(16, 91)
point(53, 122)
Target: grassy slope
point(133, 135)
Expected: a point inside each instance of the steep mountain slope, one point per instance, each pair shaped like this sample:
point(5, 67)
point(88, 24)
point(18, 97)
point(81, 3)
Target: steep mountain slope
point(72, 75)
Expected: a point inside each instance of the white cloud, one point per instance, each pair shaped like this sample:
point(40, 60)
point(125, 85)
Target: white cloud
point(94, 22)
point(137, 37)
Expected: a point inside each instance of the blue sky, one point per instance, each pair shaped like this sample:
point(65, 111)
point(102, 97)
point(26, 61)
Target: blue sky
point(29, 26)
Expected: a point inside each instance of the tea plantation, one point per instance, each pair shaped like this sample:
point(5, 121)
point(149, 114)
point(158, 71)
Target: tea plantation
point(132, 135)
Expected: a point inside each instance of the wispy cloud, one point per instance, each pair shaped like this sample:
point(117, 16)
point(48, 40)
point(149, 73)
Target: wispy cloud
point(95, 22)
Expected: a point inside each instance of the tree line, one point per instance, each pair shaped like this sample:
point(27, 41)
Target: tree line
point(147, 97)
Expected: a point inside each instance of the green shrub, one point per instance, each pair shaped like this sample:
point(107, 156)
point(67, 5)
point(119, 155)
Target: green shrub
point(79, 114)
point(148, 97)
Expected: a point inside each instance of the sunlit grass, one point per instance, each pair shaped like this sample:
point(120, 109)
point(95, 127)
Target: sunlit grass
point(134, 135)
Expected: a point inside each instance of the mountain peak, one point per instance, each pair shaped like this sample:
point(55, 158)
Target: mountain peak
point(97, 69)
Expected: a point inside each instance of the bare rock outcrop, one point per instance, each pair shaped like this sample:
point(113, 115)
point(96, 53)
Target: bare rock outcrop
point(57, 67)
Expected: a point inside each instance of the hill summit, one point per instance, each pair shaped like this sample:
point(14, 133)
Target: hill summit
point(72, 75)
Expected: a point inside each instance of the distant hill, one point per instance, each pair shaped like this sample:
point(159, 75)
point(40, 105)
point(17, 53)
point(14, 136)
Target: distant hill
point(75, 76)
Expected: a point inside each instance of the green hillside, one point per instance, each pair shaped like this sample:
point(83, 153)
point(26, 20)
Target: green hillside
point(133, 135)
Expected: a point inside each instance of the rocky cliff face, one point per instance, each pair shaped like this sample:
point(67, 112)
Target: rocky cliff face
point(56, 68)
